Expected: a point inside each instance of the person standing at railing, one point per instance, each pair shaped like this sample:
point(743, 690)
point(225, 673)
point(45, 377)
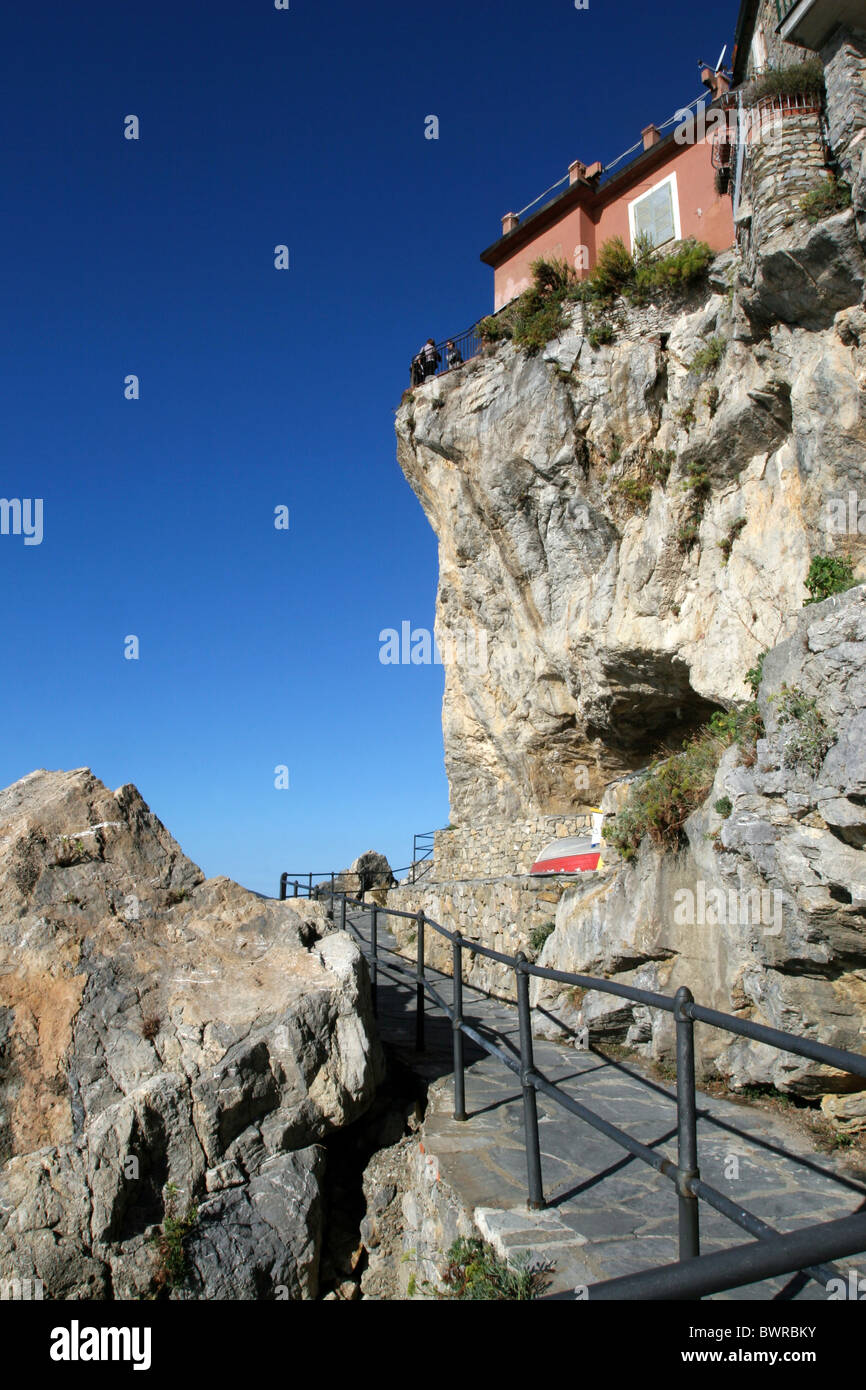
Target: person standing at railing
point(430, 358)
point(454, 357)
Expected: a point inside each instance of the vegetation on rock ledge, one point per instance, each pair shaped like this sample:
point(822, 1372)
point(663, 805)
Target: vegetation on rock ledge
point(170, 1242)
point(476, 1272)
point(828, 197)
point(537, 315)
point(798, 79)
point(662, 800)
point(829, 574)
point(810, 737)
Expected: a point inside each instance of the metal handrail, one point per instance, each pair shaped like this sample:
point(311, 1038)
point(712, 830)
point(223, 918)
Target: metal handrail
point(302, 884)
point(423, 848)
point(694, 1275)
point(468, 345)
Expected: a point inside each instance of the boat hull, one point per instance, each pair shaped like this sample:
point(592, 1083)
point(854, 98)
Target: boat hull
point(568, 863)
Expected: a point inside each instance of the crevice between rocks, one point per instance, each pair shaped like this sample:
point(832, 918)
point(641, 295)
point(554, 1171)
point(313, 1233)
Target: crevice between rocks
point(365, 1179)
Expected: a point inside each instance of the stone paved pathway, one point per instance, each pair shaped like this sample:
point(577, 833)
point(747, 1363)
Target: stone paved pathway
point(607, 1213)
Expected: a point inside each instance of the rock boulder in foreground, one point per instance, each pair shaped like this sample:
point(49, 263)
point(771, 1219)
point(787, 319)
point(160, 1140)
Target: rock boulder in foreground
point(165, 1041)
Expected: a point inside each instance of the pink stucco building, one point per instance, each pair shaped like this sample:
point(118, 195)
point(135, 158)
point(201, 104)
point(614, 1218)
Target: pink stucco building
point(667, 190)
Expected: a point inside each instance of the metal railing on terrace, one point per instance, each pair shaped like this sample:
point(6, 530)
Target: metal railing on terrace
point(464, 346)
point(770, 1253)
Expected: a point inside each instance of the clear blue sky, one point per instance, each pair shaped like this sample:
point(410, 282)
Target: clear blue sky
point(259, 387)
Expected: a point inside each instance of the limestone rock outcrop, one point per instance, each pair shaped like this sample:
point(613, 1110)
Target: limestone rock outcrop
point(621, 532)
point(763, 911)
point(373, 870)
point(165, 1042)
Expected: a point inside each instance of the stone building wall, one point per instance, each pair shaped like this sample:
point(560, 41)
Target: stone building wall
point(481, 851)
point(785, 159)
point(788, 150)
point(780, 53)
point(844, 58)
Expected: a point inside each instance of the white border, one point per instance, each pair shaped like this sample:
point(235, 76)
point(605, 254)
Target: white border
point(675, 202)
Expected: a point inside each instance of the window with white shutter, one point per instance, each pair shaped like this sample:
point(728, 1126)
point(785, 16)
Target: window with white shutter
point(656, 214)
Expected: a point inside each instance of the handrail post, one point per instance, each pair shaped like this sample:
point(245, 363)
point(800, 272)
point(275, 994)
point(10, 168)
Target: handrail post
point(530, 1106)
point(419, 986)
point(457, 1020)
point(309, 885)
point(342, 912)
point(295, 889)
point(284, 878)
point(374, 951)
point(332, 885)
point(687, 1127)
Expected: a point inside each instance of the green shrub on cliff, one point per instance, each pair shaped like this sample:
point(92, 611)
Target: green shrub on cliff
point(708, 357)
point(538, 936)
point(598, 332)
point(829, 196)
point(535, 316)
point(495, 328)
point(613, 272)
point(618, 272)
point(755, 675)
point(170, 1241)
point(810, 737)
point(829, 574)
point(689, 262)
point(635, 490)
point(661, 801)
point(726, 544)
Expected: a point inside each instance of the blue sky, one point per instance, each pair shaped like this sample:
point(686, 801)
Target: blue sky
point(261, 387)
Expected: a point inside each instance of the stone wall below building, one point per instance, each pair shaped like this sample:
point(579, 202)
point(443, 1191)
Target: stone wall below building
point(844, 58)
point(785, 161)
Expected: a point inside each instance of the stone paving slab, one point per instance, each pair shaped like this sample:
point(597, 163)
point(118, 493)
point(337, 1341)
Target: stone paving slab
point(606, 1213)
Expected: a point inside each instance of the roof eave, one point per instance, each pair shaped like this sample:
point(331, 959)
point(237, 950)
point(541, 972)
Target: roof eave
point(595, 195)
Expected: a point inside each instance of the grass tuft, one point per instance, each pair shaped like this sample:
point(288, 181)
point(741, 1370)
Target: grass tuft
point(828, 197)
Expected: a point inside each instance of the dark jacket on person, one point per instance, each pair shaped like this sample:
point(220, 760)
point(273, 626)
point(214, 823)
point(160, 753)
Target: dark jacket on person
point(430, 357)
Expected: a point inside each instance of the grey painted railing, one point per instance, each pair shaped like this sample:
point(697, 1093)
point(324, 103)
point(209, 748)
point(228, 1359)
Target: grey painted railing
point(694, 1275)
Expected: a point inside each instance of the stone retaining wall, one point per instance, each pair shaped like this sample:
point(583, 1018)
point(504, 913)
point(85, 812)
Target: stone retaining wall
point(483, 851)
point(644, 320)
point(500, 912)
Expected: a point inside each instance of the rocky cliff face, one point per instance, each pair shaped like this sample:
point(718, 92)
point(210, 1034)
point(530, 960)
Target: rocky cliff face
point(622, 532)
point(763, 910)
point(162, 1032)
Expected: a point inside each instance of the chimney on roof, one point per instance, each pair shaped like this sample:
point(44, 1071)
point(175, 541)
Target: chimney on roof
point(509, 222)
point(576, 170)
point(650, 135)
point(716, 83)
point(594, 170)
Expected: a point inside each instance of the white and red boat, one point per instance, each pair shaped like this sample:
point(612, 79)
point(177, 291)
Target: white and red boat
point(576, 854)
